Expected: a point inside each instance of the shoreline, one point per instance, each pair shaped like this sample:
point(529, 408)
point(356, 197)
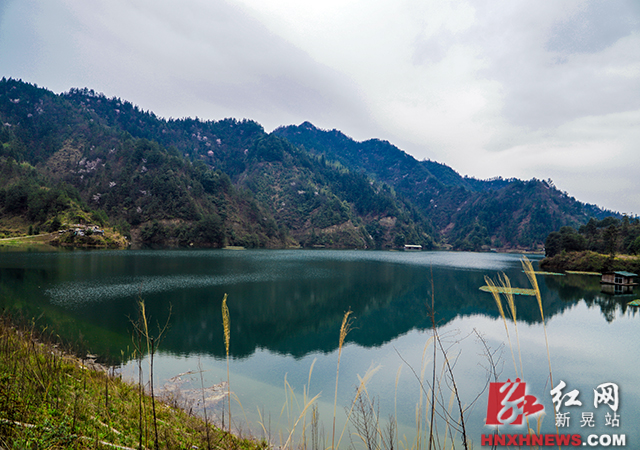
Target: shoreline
point(51, 241)
point(589, 261)
point(55, 398)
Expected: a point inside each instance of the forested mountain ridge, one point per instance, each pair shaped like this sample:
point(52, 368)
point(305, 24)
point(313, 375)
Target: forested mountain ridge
point(213, 183)
point(148, 191)
point(467, 213)
point(187, 181)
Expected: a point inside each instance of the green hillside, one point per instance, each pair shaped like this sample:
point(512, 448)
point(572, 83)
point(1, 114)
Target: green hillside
point(187, 182)
point(467, 213)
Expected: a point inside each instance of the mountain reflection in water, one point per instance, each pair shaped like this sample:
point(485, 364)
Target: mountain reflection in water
point(289, 302)
point(286, 308)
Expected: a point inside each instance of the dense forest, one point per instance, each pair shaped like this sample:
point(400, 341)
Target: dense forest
point(607, 245)
point(609, 236)
point(82, 158)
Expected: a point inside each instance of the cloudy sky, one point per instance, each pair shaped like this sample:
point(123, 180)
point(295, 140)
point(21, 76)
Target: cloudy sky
point(517, 88)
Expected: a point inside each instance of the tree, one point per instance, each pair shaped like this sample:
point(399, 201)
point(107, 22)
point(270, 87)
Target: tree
point(211, 229)
point(553, 244)
point(567, 239)
point(571, 240)
point(55, 224)
point(610, 236)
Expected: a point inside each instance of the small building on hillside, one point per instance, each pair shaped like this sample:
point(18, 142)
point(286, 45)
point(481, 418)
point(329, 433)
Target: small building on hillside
point(620, 282)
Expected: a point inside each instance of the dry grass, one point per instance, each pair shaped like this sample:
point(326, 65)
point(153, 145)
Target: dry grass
point(50, 399)
point(227, 338)
point(504, 282)
point(344, 330)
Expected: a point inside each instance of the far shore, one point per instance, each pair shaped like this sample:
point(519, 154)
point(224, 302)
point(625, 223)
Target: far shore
point(588, 261)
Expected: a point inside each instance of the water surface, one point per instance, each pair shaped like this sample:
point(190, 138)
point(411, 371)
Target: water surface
point(286, 308)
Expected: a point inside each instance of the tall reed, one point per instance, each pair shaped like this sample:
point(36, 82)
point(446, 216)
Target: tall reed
point(496, 296)
point(306, 392)
point(300, 417)
point(227, 338)
point(141, 331)
point(528, 270)
point(360, 391)
point(150, 352)
point(344, 330)
point(204, 404)
point(505, 288)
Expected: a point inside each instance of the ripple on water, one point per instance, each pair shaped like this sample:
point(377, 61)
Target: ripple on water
point(83, 292)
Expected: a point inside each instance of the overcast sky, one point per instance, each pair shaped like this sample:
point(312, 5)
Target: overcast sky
point(517, 88)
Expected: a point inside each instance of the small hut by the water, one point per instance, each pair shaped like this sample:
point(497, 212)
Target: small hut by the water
point(618, 283)
point(621, 278)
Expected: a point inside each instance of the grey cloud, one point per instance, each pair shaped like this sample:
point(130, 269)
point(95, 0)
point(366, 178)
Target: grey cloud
point(542, 90)
point(594, 27)
point(205, 58)
point(432, 50)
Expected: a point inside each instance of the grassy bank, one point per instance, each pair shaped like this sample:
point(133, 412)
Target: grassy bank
point(110, 239)
point(588, 261)
point(50, 399)
point(40, 241)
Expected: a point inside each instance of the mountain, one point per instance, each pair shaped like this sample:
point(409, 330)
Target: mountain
point(186, 182)
point(80, 157)
point(467, 213)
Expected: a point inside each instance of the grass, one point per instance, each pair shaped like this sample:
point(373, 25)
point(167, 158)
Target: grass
point(24, 242)
point(50, 399)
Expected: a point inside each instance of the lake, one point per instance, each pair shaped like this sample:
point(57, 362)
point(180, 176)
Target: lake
point(286, 308)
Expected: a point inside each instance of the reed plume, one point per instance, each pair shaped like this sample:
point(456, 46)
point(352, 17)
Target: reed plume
point(344, 330)
point(496, 297)
point(227, 338)
point(505, 287)
point(528, 269)
point(508, 293)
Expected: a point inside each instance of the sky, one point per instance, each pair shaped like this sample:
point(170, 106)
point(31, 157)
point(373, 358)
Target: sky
point(511, 88)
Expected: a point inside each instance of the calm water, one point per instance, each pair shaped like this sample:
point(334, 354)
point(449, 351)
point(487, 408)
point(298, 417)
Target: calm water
point(286, 308)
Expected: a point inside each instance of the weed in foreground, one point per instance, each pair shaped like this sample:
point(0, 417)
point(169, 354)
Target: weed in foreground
point(437, 427)
point(344, 330)
point(227, 338)
point(51, 399)
point(505, 287)
point(142, 334)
